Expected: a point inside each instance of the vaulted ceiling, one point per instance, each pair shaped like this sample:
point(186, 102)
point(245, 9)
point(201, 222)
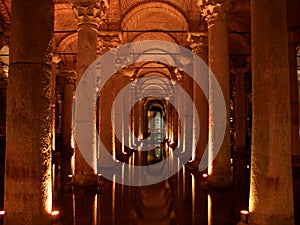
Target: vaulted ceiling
point(168, 20)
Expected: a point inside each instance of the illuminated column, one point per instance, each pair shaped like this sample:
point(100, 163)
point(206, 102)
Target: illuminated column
point(28, 192)
point(89, 15)
point(271, 189)
point(67, 151)
point(198, 44)
point(106, 114)
point(55, 60)
point(216, 16)
point(294, 98)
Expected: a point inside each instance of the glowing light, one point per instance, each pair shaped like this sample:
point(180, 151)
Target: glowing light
point(209, 213)
point(54, 213)
point(73, 164)
point(193, 198)
point(2, 213)
point(205, 175)
point(114, 154)
point(113, 199)
point(183, 180)
point(244, 216)
point(95, 209)
point(244, 212)
point(46, 185)
point(72, 141)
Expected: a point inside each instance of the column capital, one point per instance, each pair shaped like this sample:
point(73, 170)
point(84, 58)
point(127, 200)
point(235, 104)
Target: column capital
point(90, 11)
point(107, 41)
point(198, 42)
point(214, 9)
point(69, 77)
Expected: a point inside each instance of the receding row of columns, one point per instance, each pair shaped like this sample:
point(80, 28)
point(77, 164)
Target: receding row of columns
point(28, 152)
point(273, 133)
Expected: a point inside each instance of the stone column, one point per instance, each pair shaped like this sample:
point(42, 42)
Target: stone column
point(3, 90)
point(215, 13)
point(28, 192)
point(271, 189)
point(240, 109)
point(198, 44)
point(89, 14)
point(67, 150)
point(294, 99)
point(55, 60)
point(240, 155)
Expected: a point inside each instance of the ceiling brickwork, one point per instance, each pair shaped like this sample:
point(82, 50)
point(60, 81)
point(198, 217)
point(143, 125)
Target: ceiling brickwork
point(168, 20)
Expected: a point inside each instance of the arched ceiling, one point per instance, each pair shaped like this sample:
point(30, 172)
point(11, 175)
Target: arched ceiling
point(155, 16)
point(168, 20)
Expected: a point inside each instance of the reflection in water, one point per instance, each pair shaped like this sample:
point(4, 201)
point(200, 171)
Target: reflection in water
point(209, 207)
point(171, 202)
point(154, 205)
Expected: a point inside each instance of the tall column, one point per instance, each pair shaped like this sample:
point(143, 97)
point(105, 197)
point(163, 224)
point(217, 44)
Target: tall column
point(3, 90)
point(271, 193)
point(89, 14)
point(294, 99)
point(216, 17)
point(240, 155)
point(198, 44)
point(67, 151)
point(240, 109)
point(28, 192)
point(106, 42)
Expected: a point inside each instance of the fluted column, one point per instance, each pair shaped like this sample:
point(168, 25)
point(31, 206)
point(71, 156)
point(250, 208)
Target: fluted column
point(215, 13)
point(271, 189)
point(198, 44)
point(28, 191)
point(89, 14)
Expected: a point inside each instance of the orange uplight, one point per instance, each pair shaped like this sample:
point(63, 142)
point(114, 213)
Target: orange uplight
point(54, 213)
point(244, 216)
point(244, 212)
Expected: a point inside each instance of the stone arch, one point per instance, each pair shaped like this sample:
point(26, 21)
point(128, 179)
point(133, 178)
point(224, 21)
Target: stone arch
point(150, 6)
point(154, 16)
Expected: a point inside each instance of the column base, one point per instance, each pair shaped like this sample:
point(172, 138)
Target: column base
point(260, 219)
point(85, 180)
